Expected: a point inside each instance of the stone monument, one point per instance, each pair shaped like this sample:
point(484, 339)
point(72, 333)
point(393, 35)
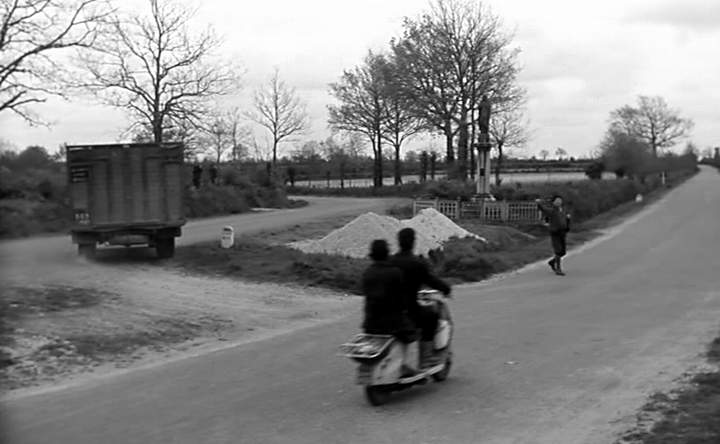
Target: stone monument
point(483, 155)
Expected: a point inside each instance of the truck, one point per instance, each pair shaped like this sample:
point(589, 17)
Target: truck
point(127, 195)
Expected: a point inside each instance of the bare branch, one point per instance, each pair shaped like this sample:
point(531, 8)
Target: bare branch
point(163, 74)
point(651, 122)
point(33, 34)
point(279, 110)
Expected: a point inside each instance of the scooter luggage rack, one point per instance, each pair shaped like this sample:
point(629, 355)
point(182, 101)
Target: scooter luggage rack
point(366, 346)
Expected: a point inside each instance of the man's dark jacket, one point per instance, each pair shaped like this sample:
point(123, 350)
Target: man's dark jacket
point(416, 273)
point(558, 219)
point(385, 309)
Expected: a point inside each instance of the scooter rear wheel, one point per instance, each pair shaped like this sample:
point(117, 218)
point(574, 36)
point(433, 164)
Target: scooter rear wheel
point(376, 396)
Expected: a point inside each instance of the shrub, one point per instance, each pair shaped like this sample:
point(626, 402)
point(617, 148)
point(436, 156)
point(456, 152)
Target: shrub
point(401, 211)
point(595, 170)
point(211, 200)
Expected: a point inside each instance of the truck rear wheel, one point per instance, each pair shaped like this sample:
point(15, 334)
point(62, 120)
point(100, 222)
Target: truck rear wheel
point(87, 250)
point(165, 247)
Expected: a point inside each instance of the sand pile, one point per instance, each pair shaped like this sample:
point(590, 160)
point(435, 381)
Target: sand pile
point(431, 227)
point(436, 226)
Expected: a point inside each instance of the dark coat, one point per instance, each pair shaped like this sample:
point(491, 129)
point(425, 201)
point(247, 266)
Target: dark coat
point(416, 273)
point(385, 309)
point(558, 219)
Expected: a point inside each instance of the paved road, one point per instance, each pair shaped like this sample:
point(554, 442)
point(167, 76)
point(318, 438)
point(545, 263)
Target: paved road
point(540, 358)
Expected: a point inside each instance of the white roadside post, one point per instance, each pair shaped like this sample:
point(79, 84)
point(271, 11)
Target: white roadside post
point(227, 238)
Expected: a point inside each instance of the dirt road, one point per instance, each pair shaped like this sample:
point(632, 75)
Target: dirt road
point(540, 358)
point(149, 306)
point(15, 255)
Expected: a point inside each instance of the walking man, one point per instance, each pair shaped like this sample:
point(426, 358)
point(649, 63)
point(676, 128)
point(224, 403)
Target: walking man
point(558, 225)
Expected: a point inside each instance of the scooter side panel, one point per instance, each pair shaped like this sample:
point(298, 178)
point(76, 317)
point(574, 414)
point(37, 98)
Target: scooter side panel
point(384, 371)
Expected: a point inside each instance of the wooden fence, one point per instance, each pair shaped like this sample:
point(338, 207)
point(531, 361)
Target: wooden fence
point(487, 211)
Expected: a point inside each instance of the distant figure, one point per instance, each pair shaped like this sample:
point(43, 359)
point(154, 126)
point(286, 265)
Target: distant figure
point(291, 175)
point(213, 174)
point(423, 166)
point(558, 225)
point(197, 175)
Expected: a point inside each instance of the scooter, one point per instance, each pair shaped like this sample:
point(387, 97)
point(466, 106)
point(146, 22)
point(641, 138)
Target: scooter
point(381, 356)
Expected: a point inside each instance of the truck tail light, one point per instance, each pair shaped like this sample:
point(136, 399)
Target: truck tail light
point(82, 217)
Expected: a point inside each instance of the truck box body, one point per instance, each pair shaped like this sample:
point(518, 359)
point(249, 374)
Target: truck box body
point(125, 189)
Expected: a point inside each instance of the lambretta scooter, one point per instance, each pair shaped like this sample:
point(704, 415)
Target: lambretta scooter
point(381, 356)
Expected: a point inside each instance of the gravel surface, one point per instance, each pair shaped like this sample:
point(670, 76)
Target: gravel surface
point(432, 229)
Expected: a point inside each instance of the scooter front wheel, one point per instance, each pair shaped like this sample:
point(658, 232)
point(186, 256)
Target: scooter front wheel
point(376, 395)
point(445, 372)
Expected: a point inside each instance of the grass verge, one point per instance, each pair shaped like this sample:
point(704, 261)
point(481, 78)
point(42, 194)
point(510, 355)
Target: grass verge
point(690, 415)
point(265, 258)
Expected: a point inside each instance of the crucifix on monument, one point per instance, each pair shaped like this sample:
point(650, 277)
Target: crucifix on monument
point(483, 155)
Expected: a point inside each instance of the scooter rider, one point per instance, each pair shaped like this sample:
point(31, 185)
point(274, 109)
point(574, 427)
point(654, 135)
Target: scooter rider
point(385, 307)
point(416, 273)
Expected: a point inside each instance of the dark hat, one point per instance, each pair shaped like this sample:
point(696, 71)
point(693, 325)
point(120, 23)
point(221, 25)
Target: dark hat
point(406, 239)
point(379, 250)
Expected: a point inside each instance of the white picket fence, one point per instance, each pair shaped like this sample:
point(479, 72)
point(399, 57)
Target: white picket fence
point(487, 211)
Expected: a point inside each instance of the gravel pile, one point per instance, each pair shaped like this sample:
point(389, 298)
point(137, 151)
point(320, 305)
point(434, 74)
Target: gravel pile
point(431, 227)
point(436, 226)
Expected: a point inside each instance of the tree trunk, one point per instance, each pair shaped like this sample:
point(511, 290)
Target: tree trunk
point(342, 175)
point(373, 142)
point(472, 162)
point(274, 159)
point(433, 158)
point(498, 166)
point(379, 161)
point(450, 152)
point(462, 151)
point(157, 130)
point(398, 172)
point(471, 144)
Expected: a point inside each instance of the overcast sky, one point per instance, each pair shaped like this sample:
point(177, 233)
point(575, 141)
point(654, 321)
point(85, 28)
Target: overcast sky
point(580, 60)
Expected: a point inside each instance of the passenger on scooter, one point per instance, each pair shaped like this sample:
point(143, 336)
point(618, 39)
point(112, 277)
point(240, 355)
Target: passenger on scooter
point(385, 309)
point(416, 273)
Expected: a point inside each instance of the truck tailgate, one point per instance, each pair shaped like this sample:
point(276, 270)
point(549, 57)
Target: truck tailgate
point(114, 185)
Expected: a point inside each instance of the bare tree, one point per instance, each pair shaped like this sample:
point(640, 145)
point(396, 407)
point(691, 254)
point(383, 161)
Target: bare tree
point(280, 111)
point(507, 130)
point(544, 154)
point(361, 94)
point(426, 80)
point(451, 57)
point(239, 135)
point(184, 131)
point(400, 123)
point(153, 66)
point(34, 35)
point(560, 153)
point(217, 135)
point(652, 122)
